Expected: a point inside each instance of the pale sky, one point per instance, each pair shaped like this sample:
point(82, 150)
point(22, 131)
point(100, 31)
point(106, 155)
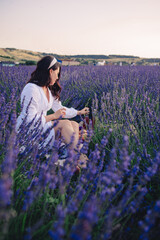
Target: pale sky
point(126, 27)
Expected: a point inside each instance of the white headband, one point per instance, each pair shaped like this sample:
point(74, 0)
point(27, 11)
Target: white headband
point(53, 62)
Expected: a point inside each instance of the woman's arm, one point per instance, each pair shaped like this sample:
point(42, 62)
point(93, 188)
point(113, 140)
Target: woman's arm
point(56, 115)
point(83, 111)
point(70, 112)
point(30, 97)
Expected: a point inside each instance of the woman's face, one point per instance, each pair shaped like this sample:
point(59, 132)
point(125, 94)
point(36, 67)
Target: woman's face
point(53, 76)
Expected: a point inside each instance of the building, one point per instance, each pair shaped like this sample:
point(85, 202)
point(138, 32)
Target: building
point(101, 63)
point(7, 64)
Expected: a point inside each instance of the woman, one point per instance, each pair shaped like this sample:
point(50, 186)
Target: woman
point(42, 93)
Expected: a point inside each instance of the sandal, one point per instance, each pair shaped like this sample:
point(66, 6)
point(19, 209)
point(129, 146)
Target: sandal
point(62, 155)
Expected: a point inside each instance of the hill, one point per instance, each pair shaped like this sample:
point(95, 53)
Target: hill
point(24, 56)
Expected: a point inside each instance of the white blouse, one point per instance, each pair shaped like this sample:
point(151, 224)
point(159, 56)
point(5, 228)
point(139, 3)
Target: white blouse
point(39, 106)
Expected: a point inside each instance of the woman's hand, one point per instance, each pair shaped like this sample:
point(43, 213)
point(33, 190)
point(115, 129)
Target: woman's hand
point(84, 111)
point(60, 113)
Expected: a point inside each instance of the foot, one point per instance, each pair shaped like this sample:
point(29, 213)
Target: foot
point(82, 162)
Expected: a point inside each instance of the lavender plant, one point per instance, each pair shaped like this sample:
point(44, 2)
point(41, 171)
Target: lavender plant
point(117, 195)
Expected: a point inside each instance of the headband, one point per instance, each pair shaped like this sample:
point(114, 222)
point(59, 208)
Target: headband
point(53, 62)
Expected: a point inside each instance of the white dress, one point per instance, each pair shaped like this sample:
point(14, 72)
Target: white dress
point(39, 106)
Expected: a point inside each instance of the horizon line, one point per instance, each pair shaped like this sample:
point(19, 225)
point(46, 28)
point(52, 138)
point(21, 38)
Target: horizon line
point(76, 54)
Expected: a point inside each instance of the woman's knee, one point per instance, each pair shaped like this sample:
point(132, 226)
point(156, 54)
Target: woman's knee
point(62, 123)
point(67, 123)
point(75, 125)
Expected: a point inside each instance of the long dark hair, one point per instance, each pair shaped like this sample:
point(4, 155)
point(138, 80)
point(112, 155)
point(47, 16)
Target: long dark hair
point(41, 76)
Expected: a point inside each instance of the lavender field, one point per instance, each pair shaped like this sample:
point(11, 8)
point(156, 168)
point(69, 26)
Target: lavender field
point(118, 195)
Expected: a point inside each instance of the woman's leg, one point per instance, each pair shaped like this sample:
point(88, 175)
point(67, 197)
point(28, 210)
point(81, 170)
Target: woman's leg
point(75, 126)
point(82, 162)
point(68, 129)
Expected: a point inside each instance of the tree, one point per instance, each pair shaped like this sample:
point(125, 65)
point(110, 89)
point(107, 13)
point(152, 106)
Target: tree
point(30, 62)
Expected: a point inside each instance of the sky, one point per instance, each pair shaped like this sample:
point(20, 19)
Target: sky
point(69, 27)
